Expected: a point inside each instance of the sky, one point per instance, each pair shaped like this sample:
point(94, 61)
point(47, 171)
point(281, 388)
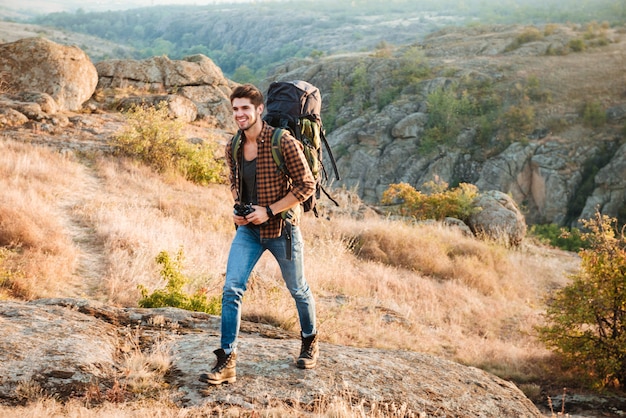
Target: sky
point(51, 6)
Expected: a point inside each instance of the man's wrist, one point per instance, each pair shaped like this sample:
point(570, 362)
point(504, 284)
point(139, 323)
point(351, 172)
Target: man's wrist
point(270, 213)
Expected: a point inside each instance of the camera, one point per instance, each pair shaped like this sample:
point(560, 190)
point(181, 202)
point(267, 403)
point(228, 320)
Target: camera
point(243, 210)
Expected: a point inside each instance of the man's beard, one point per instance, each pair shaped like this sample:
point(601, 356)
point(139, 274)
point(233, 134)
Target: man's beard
point(250, 125)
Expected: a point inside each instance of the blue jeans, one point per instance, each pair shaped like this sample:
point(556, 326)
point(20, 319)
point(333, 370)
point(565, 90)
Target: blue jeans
point(245, 251)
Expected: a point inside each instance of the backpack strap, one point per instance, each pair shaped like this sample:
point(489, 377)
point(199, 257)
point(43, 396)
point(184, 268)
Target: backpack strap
point(236, 145)
point(277, 154)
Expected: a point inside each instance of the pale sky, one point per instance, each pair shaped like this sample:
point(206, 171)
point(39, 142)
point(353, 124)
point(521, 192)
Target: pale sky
point(51, 6)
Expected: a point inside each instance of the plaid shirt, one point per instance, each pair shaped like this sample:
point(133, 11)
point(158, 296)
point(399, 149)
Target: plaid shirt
point(272, 184)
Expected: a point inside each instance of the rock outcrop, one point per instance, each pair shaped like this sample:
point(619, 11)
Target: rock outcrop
point(66, 346)
point(609, 195)
point(195, 77)
point(549, 172)
point(65, 73)
point(499, 218)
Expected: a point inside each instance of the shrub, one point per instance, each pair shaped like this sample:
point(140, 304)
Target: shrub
point(441, 203)
point(338, 96)
point(550, 29)
point(530, 34)
point(593, 115)
point(414, 66)
point(518, 121)
point(586, 320)
point(173, 295)
point(157, 140)
point(569, 239)
point(535, 92)
point(448, 114)
point(577, 45)
point(360, 86)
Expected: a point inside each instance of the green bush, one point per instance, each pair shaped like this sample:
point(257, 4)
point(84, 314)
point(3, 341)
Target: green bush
point(530, 34)
point(173, 294)
point(577, 45)
point(518, 121)
point(593, 115)
point(360, 87)
point(569, 239)
point(338, 97)
point(535, 92)
point(157, 140)
point(448, 114)
point(586, 320)
point(414, 67)
point(442, 202)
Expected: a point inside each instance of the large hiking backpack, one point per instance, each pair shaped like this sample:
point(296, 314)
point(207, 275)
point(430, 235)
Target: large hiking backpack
point(296, 106)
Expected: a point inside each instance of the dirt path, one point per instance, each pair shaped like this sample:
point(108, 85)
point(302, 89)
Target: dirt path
point(92, 262)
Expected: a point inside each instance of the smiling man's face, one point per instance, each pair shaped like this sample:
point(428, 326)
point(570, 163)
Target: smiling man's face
point(245, 114)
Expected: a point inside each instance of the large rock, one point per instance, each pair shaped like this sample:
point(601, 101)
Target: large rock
point(38, 65)
point(61, 344)
point(195, 77)
point(609, 195)
point(499, 218)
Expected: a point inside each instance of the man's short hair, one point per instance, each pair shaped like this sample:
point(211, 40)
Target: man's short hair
point(247, 91)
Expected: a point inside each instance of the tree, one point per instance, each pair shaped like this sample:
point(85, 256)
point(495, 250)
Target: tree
point(586, 320)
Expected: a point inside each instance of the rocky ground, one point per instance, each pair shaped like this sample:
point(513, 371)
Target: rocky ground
point(49, 344)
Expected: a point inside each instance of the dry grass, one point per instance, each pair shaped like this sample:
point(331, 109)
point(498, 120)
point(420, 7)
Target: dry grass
point(339, 406)
point(35, 185)
point(93, 228)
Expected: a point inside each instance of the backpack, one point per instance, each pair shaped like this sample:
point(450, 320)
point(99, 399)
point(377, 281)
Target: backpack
point(296, 106)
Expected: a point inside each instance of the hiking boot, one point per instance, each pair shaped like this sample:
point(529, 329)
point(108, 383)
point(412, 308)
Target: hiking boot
point(309, 351)
point(224, 369)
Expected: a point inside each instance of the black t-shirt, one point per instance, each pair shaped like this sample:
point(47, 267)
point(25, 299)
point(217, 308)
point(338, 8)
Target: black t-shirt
point(249, 194)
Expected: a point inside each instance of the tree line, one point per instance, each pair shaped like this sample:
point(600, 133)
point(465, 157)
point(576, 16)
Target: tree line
point(252, 38)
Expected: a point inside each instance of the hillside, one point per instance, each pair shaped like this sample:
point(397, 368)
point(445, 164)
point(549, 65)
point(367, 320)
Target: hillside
point(539, 108)
point(256, 36)
point(79, 222)
point(90, 226)
point(96, 47)
point(478, 106)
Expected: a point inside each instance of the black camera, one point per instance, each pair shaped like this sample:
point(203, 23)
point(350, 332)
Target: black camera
point(243, 210)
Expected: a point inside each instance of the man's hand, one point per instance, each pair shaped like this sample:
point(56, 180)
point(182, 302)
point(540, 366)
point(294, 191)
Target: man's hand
point(240, 220)
point(258, 216)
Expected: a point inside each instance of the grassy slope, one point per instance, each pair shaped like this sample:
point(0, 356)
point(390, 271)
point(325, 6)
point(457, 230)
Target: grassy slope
point(421, 288)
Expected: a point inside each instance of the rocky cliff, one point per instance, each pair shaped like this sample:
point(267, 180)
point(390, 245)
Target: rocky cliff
point(550, 166)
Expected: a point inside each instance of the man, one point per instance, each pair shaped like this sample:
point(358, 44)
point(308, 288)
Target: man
point(272, 224)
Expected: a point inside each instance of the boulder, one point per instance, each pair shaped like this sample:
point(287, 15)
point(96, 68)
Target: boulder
point(411, 126)
point(46, 103)
point(11, 117)
point(499, 218)
point(195, 77)
point(459, 225)
point(63, 72)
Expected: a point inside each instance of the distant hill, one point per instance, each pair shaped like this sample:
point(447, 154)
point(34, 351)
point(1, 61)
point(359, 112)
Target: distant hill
point(96, 48)
point(254, 38)
point(29, 8)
